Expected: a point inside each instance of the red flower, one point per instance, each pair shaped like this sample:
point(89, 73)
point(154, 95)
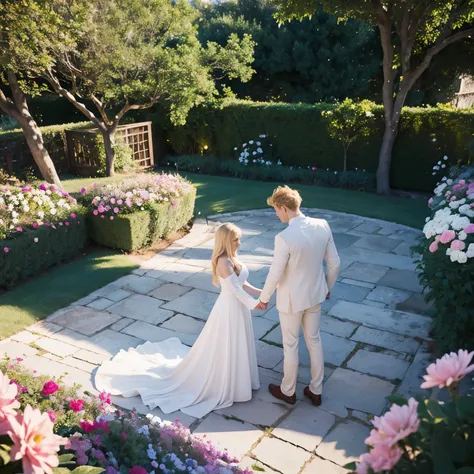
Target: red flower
point(87, 427)
point(49, 388)
point(102, 425)
point(105, 397)
point(137, 470)
point(76, 405)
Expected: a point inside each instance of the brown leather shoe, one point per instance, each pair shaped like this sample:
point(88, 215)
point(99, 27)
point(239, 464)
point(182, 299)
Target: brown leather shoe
point(275, 390)
point(316, 399)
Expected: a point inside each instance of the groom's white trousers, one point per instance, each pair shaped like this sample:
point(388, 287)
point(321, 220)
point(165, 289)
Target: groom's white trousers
point(290, 328)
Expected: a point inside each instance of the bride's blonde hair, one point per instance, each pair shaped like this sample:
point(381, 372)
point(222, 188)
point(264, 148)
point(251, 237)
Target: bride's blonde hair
point(225, 235)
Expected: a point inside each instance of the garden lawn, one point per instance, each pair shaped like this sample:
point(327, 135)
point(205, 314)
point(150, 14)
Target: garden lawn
point(218, 194)
point(59, 287)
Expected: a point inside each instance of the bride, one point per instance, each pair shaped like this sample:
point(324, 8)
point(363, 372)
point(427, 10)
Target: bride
point(220, 368)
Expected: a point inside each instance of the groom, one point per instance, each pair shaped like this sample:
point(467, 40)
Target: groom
point(297, 270)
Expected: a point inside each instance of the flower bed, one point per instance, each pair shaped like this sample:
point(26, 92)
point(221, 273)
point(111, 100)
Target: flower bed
point(423, 435)
point(61, 426)
point(261, 166)
point(39, 227)
point(139, 211)
point(447, 259)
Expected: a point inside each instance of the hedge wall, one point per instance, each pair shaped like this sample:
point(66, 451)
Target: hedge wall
point(24, 256)
point(300, 137)
point(136, 230)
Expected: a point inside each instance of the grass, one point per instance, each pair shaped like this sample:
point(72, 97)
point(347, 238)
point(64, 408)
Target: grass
point(217, 194)
point(59, 287)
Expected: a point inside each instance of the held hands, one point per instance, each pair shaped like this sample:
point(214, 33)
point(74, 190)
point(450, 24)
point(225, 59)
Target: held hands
point(261, 306)
point(328, 295)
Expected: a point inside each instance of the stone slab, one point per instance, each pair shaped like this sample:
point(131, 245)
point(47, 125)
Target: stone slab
point(336, 327)
point(367, 272)
point(281, 456)
point(376, 363)
point(58, 348)
point(368, 227)
point(256, 412)
point(183, 324)
point(254, 465)
point(321, 466)
point(150, 333)
point(349, 281)
point(261, 327)
point(343, 291)
point(344, 444)
point(90, 357)
point(378, 243)
point(86, 321)
point(268, 356)
point(394, 321)
point(142, 284)
point(45, 328)
point(388, 296)
point(415, 304)
point(201, 281)
point(142, 308)
point(100, 304)
point(343, 241)
point(229, 435)
point(414, 376)
point(385, 339)
point(122, 324)
point(12, 350)
point(305, 426)
point(25, 336)
point(346, 389)
point(177, 272)
point(403, 249)
point(112, 342)
point(391, 260)
point(375, 304)
point(169, 291)
point(196, 303)
point(402, 280)
point(79, 364)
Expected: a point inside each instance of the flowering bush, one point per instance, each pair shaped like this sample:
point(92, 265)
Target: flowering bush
point(447, 258)
point(31, 207)
point(135, 194)
point(425, 435)
point(46, 419)
point(256, 152)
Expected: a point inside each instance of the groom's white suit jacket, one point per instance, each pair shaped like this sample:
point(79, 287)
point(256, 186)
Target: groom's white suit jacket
point(297, 268)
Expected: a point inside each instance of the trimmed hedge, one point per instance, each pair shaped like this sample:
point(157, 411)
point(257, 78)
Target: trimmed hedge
point(26, 258)
point(300, 137)
point(136, 230)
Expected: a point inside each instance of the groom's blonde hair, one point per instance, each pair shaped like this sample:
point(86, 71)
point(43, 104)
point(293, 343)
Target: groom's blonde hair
point(285, 196)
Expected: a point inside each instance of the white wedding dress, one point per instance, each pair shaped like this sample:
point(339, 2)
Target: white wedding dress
point(220, 368)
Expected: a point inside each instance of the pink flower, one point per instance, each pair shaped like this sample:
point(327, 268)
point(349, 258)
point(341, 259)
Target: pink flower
point(137, 470)
point(110, 470)
point(107, 208)
point(116, 210)
point(43, 187)
point(60, 223)
point(453, 198)
point(381, 458)
point(87, 427)
point(99, 455)
point(101, 208)
point(469, 229)
point(73, 216)
point(112, 201)
point(433, 246)
point(19, 229)
point(430, 202)
point(67, 222)
point(83, 190)
point(76, 405)
point(458, 245)
point(102, 216)
point(34, 441)
point(120, 202)
point(52, 415)
point(112, 218)
point(449, 369)
point(95, 212)
point(49, 388)
point(124, 435)
point(8, 401)
point(102, 425)
point(447, 236)
point(105, 397)
point(396, 424)
point(6, 249)
point(35, 225)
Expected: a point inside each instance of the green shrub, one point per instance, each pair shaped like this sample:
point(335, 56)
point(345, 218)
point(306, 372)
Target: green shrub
point(300, 137)
point(35, 250)
point(139, 229)
point(123, 160)
point(446, 264)
point(360, 180)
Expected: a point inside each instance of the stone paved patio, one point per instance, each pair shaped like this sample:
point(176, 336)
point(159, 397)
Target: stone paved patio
point(374, 331)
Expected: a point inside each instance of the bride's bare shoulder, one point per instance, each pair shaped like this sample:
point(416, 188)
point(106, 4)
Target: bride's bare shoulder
point(224, 266)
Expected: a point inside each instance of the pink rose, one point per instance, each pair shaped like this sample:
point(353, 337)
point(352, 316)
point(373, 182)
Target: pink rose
point(458, 245)
point(105, 397)
point(469, 229)
point(35, 225)
point(76, 405)
point(116, 210)
point(447, 236)
point(433, 247)
point(83, 190)
point(112, 218)
point(95, 212)
point(137, 470)
point(67, 222)
point(73, 216)
point(87, 427)
point(19, 229)
point(120, 202)
point(6, 249)
point(49, 388)
point(52, 415)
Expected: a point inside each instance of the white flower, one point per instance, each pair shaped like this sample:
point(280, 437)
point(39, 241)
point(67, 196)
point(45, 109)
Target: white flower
point(443, 166)
point(449, 182)
point(258, 143)
point(262, 136)
point(244, 145)
point(36, 240)
point(462, 257)
point(462, 235)
point(453, 255)
point(470, 251)
point(235, 148)
point(259, 150)
point(439, 162)
point(251, 142)
point(445, 157)
point(368, 114)
point(254, 153)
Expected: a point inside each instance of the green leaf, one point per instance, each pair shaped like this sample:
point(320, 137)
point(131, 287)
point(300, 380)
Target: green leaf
point(397, 399)
point(442, 461)
point(87, 470)
point(61, 470)
point(65, 458)
point(351, 466)
point(465, 470)
point(4, 457)
point(465, 407)
point(459, 450)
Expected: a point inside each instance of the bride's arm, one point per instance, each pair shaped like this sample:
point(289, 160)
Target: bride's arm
point(225, 270)
point(252, 290)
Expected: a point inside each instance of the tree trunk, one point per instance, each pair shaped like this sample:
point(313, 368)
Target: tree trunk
point(34, 139)
point(345, 158)
point(109, 142)
point(385, 159)
point(18, 109)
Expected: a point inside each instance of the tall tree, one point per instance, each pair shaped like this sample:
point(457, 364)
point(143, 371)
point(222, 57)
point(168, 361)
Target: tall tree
point(28, 28)
point(412, 33)
point(131, 54)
